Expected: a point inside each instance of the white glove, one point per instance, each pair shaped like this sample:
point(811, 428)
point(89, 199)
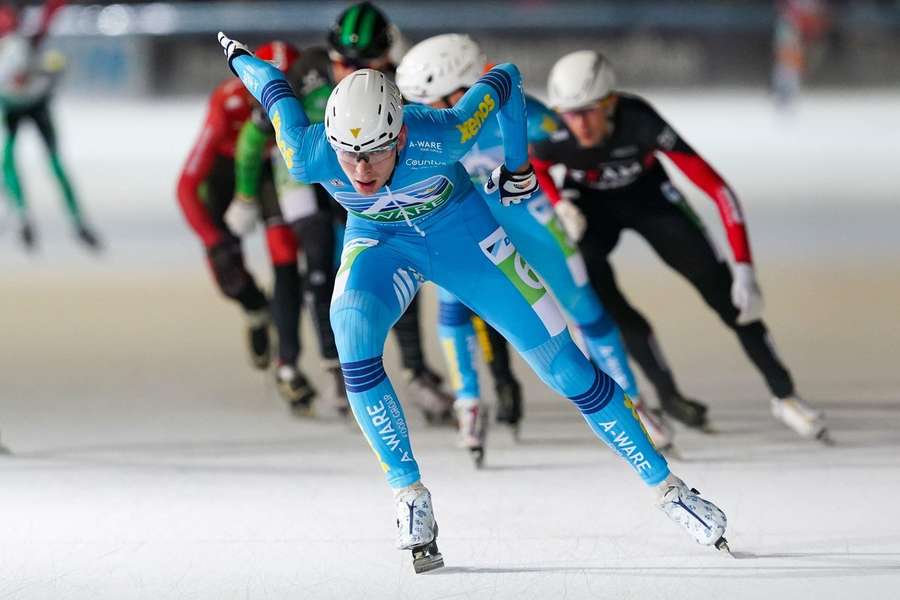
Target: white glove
point(241, 217)
point(514, 187)
point(572, 219)
point(233, 49)
point(745, 294)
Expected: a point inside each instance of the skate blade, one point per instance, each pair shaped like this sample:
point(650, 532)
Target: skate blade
point(722, 546)
point(429, 562)
point(825, 437)
point(302, 409)
point(477, 456)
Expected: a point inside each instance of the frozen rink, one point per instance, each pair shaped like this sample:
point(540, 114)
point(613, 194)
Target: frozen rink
point(148, 460)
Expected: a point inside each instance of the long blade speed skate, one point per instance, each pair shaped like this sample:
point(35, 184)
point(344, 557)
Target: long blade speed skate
point(416, 527)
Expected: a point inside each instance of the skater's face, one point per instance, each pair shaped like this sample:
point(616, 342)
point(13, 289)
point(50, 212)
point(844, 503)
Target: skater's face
point(369, 171)
point(591, 125)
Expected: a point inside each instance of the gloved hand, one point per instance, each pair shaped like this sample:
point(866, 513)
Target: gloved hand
point(514, 187)
point(233, 49)
point(242, 216)
point(745, 294)
point(572, 219)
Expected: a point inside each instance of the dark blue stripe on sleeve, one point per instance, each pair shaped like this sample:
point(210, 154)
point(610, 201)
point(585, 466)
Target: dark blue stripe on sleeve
point(274, 91)
point(500, 81)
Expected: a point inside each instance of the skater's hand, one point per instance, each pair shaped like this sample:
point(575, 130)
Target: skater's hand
point(572, 219)
point(746, 295)
point(242, 216)
point(513, 187)
point(233, 49)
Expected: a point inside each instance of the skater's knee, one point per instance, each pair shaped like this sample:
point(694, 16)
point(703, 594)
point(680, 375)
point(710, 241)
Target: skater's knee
point(360, 321)
point(561, 365)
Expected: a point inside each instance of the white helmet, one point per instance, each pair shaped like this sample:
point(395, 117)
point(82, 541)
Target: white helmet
point(579, 79)
point(364, 111)
point(438, 66)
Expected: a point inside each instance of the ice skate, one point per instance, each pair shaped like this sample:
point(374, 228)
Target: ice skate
point(797, 414)
point(687, 411)
point(416, 527)
point(656, 426)
point(426, 393)
point(295, 389)
point(509, 404)
point(472, 418)
point(258, 344)
point(702, 519)
point(87, 237)
point(336, 389)
point(27, 236)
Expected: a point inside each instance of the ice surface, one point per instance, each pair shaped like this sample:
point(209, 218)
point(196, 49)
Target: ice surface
point(148, 461)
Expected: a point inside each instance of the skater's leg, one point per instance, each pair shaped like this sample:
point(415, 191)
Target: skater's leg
point(11, 179)
point(495, 350)
point(681, 242)
point(44, 122)
point(491, 277)
point(311, 219)
point(636, 330)
point(226, 261)
point(458, 340)
point(287, 290)
point(538, 235)
point(374, 285)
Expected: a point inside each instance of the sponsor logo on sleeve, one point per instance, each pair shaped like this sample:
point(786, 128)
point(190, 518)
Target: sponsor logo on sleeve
point(471, 126)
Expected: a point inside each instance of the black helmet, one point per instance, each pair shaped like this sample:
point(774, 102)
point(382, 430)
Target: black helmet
point(361, 33)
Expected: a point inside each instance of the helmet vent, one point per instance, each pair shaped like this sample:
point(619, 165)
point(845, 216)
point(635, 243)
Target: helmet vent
point(390, 119)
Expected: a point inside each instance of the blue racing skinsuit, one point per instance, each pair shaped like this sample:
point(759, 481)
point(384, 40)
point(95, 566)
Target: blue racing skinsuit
point(429, 223)
point(539, 237)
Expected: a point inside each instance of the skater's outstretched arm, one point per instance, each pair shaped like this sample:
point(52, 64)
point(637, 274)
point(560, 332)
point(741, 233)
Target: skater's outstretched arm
point(302, 145)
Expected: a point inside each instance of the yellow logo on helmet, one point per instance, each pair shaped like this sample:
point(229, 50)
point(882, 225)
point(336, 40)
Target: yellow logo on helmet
point(355, 131)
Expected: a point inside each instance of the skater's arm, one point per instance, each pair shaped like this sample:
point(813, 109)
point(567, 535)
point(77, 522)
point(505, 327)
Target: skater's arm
point(195, 172)
point(667, 142)
point(301, 145)
point(707, 179)
point(497, 94)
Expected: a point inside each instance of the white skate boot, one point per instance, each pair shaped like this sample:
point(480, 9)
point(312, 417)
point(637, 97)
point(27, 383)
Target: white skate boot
point(416, 527)
point(659, 430)
point(472, 416)
point(797, 414)
point(701, 518)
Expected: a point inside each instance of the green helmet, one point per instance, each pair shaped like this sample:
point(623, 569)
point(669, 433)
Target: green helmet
point(361, 33)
